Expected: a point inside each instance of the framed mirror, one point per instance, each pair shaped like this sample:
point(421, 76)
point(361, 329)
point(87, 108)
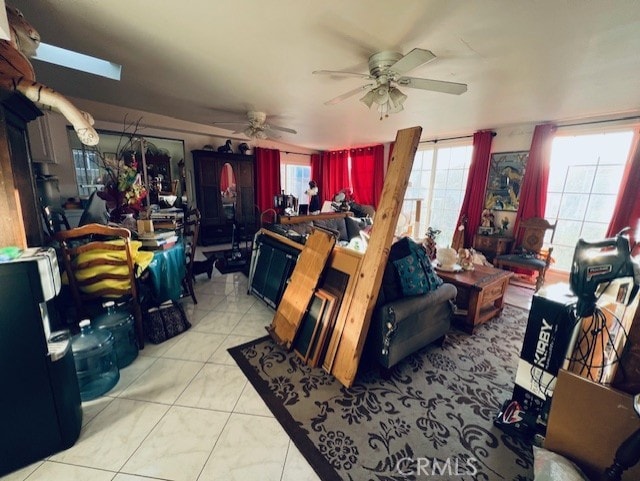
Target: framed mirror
point(164, 158)
point(228, 191)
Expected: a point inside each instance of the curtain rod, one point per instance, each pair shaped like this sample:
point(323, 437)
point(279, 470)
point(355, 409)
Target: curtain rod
point(622, 119)
point(297, 153)
point(435, 141)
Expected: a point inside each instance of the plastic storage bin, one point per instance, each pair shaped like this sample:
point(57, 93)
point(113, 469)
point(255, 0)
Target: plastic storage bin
point(119, 322)
point(95, 359)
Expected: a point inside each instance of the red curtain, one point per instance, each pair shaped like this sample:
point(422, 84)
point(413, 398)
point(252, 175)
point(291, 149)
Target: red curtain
point(267, 177)
point(627, 210)
point(316, 167)
point(533, 194)
point(364, 162)
point(473, 203)
point(334, 173)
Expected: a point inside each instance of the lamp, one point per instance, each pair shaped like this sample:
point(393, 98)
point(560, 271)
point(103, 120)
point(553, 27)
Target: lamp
point(389, 99)
point(255, 133)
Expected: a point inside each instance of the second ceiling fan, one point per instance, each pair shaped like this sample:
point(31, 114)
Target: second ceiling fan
point(255, 127)
point(386, 73)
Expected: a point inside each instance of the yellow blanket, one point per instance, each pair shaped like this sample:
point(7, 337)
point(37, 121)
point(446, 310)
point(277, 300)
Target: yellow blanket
point(141, 259)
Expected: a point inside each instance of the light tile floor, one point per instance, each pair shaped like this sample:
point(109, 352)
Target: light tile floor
point(183, 410)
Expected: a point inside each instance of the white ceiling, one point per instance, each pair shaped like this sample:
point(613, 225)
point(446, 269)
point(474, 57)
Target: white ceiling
point(212, 60)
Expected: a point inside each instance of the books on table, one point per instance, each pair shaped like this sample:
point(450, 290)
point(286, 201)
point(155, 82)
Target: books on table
point(158, 239)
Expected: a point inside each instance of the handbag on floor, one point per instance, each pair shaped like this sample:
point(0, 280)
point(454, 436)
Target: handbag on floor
point(165, 321)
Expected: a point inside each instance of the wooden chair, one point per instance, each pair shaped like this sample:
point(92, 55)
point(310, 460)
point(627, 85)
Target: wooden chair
point(55, 220)
point(530, 254)
point(99, 263)
point(190, 239)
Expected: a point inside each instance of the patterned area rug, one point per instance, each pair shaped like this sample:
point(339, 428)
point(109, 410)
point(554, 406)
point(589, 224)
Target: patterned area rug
point(433, 419)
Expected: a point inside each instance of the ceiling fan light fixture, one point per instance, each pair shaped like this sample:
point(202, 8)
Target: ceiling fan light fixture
point(368, 98)
point(389, 100)
point(255, 133)
point(397, 97)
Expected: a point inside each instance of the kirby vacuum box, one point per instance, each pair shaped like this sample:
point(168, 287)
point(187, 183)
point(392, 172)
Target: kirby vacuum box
point(547, 340)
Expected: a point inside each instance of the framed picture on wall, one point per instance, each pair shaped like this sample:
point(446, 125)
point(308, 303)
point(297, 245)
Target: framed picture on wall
point(506, 172)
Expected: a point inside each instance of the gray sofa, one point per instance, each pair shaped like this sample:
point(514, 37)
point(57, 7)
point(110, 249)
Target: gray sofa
point(403, 324)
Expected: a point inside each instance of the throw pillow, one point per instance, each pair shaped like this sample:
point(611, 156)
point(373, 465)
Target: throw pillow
point(411, 275)
point(353, 227)
point(337, 225)
point(416, 276)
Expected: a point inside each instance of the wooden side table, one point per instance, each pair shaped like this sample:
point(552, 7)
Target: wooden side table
point(480, 294)
point(492, 245)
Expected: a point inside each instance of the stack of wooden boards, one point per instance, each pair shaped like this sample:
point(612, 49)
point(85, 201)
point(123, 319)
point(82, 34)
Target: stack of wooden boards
point(302, 321)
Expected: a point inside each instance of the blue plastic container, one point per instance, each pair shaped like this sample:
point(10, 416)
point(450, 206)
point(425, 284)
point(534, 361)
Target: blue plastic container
point(95, 359)
point(119, 322)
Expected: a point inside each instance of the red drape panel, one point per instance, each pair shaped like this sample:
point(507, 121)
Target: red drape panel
point(473, 203)
point(334, 173)
point(533, 194)
point(363, 172)
point(316, 170)
point(627, 210)
point(378, 175)
point(267, 177)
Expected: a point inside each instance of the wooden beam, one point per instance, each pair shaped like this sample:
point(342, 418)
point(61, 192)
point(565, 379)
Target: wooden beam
point(375, 258)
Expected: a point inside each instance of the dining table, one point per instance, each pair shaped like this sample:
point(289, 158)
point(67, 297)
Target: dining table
point(166, 271)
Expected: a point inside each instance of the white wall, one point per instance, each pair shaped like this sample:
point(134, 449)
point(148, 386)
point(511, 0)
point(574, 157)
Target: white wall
point(109, 117)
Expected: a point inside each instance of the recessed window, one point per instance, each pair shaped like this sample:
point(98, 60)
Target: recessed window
point(436, 190)
point(295, 174)
point(584, 180)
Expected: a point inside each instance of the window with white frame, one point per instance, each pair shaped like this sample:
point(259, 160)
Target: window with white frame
point(88, 171)
point(295, 174)
point(436, 190)
point(584, 180)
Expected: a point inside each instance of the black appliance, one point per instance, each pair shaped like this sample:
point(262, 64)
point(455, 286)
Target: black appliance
point(40, 408)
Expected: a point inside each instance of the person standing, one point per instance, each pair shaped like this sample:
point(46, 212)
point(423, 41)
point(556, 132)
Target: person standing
point(314, 197)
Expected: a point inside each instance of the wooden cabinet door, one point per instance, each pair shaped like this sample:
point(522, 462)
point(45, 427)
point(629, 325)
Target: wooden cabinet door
point(207, 176)
point(246, 191)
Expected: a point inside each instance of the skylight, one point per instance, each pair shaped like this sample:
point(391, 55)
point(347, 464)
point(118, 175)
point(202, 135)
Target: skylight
point(78, 61)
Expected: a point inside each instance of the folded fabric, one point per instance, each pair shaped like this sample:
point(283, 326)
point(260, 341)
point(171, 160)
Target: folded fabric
point(141, 259)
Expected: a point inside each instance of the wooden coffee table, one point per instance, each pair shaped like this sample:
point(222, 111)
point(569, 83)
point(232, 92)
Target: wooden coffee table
point(480, 294)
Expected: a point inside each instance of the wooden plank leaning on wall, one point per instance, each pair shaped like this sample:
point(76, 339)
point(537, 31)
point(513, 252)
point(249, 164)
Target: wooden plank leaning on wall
point(302, 285)
point(365, 294)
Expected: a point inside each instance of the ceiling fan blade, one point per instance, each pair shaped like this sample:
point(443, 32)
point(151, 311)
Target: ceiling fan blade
point(281, 129)
point(341, 74)
point(242, 122)
point(435, 85)
point(415, 58)
point(348, 94)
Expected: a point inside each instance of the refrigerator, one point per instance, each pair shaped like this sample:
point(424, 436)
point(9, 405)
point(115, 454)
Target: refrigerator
point(40, 408)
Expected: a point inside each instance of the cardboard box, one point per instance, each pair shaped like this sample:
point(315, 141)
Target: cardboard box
point(588, 422)
point(548, 337)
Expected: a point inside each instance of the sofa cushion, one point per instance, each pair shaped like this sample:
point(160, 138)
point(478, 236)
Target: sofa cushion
point(337, 225)
point(353, 227)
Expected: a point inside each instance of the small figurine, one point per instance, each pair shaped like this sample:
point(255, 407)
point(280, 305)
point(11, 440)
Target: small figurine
point(488, 218)
point(243, 148)
point(226, 148)
point(466, 259)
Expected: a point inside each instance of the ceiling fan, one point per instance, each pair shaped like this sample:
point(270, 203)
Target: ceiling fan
point(256, 127)
point(386, 74)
